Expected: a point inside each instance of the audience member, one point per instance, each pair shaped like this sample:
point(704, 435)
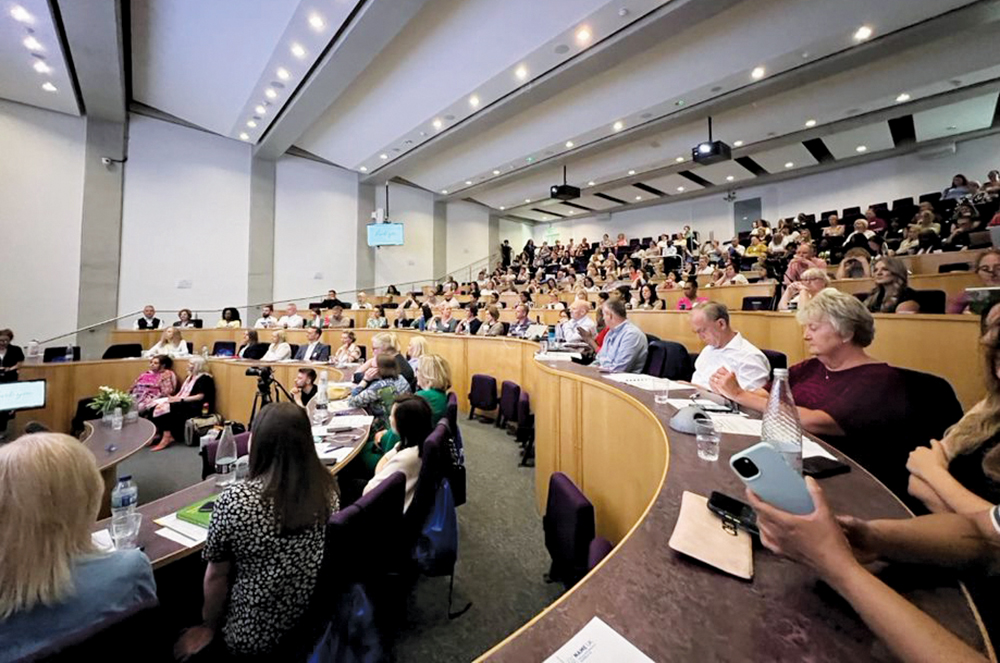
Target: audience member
point(411, 418)
point(779, 244)
point(55, 586)
point(625, 345)
point(757, 248)
point(959, 188)
point(291, 319)
point(171, 343)
point(415, 349)
point(197, 392)
point(305, 387)
point(11, 357)
point(892, 293)
point(252, 348)
point(157, 382)
point(804, 260)
point(348, 352)
point(690, 297)
point(798, 293)
point(377, 319)
point(492, 326)
point(855, 265)
point(725, 348)
point(910, 243)
point(471, 323)
point(988, 271)
point(332, 300)
point(184, 319)
point(314, 349)
point(336, 319)
point(646, 301)
point(362, 303)
point(580, 323)
point(265, 541)
point(731, 277)
point(387, 343)
point(148, 319)
point(230, 318)
point(433, 382)
point(443, 322)
point(266, 319)
point(519, 327)
point(875, 224)
point(379, 387)
point(860, 236)
point(279, 350)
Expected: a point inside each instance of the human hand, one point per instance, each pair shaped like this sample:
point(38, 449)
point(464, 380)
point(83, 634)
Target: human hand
point(861, 535)
point(192, 641)
point(584, 332)
point(724, 382)
point(815, 540)
point(371, 374)
point(923, 461)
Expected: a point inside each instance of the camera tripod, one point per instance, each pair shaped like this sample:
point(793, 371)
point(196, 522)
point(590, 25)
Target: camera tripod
point(264, 397)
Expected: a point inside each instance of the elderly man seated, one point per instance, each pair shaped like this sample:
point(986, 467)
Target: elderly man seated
point(725, 348)
point(625, 345)
point(804, 259)
point(578, 320)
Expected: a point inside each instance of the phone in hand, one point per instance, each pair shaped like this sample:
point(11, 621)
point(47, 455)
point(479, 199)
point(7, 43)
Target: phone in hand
point(734, 511)
point(765, 472)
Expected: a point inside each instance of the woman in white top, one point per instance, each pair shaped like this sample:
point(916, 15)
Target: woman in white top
point(348, 352)
point(860, 229)
point(412, 419)
point(171, 343)
point(279, 350)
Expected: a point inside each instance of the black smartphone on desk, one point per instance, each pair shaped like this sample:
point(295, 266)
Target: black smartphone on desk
point(819, 467)
point(734, 511)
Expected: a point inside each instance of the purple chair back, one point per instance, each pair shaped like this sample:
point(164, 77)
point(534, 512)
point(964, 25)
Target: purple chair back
point(208, 453)
point(569, 528)
point(452, 411)
point(483, 393)
point(344, 549)
point(524, 419)
point(510, 393)
point(434, 463)
point(599, 549)
point(381, 524)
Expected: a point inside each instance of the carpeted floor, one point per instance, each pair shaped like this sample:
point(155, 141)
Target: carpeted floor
point(502, 555)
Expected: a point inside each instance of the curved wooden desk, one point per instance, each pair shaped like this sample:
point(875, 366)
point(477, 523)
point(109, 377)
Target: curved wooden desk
point(111, 447)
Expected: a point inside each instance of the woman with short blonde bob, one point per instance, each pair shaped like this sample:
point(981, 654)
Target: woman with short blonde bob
point(279, 350)
point(415, 350)
point(54, 584)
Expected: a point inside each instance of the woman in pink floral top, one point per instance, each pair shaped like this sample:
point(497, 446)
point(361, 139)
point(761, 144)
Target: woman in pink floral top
point(158, 382)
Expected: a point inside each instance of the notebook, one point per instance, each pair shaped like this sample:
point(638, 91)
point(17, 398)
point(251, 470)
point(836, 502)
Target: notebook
point(192, 514)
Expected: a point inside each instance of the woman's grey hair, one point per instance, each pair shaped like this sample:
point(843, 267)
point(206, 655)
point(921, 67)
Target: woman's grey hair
point(197, 365)
point(816, 273)
point(845, 313)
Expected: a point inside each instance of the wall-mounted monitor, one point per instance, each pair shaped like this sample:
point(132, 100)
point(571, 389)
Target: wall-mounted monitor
point(385, 234)
point(27, 395)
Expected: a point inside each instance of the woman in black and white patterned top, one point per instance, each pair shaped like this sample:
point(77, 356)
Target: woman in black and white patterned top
point(265, 540)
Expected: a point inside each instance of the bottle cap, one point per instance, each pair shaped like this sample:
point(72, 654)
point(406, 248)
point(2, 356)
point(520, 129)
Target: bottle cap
point(124, 477)
point(781, 372)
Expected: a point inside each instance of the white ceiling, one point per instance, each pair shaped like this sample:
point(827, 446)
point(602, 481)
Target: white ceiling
point(957, 118)
point(19, 81)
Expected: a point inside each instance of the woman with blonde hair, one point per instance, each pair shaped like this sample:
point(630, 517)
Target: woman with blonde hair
point(171, 343)
point(892, 292)
point(56, 588)
point(197, 392)
point(415, 350)
point(433, 381)
point(279, 350)
point(812, 282)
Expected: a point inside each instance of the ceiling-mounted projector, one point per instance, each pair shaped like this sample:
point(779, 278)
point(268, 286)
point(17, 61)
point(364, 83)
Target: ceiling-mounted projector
point(564, 191)
point(711, 151)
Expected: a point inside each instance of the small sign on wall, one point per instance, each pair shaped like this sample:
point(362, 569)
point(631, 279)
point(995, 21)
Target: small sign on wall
point(184, 284)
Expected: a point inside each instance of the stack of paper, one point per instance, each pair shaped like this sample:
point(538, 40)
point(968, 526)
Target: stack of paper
point(647, 382)
point(333, 451)
point(736, 424)
point(557, 356)
point(102, 539)
point(598, 643)
point(186, 534)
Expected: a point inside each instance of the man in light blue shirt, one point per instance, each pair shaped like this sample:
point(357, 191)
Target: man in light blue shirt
point(625, 346)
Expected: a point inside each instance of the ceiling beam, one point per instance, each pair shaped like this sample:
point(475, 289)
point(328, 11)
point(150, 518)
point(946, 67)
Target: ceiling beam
point(367, 33)
point(94, 33)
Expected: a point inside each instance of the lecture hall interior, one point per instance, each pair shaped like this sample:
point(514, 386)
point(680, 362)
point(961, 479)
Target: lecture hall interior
point(500, 330)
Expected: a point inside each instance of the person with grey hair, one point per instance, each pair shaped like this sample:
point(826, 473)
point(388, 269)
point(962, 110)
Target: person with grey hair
point(845, 396)
point(892, 292)
point(798, 293)
point(725, 348)
point(579, 319)
point(625, 345)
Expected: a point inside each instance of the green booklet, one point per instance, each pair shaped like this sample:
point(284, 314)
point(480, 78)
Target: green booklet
point(195, 514)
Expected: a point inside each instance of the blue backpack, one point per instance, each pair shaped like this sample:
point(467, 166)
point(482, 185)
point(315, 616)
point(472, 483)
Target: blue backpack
point(436, 550)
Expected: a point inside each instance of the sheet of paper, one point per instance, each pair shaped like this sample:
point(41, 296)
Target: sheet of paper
point(189, 530)
point(102, 539)
point(646, 382)
point(737, 425)
point(332, 451)
point(684, 402)
point(351, 421)
point(177, 537)
point(598, 643)
point(557, 356)
point(811, 449)
point(338, 406)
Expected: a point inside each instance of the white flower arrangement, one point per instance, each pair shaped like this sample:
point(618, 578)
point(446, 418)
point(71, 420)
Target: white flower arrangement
point(109, 398)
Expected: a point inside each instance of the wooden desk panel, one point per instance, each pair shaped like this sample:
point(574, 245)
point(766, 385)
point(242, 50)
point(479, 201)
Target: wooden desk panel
point(953, 283)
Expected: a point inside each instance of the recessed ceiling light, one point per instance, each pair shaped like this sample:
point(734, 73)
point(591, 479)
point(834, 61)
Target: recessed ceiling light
point(32, 44)
point(244, 136)
point(862, 33)
point(363, 169)
point(474, 101)
point(298, 51)
point(444, 191)
point(569, 143)
point(730, 178)
point(251, 124)
point(902, 98)
point(316, 22)
point(468, 182)
point(679, 102)
point(738, 143)
point(583, 35)
point(496, 172)
point(283, 73)
point(951, 128)
point(618, 126)
point(679, 159)
point(260, 110)
point(758, 73)
point(681, 189)
point(42, 68)
point(571, 212)
point(861, 148)
point(21, 14)
point(789, 165)
point(529, 159)
point(383, 156)
point(638, 197)
point(810, 123)
point(49, 87)
point(502, 208)
point(631, 172)
point(590, 183)
point(527, 200)
point(521, 72)
point(436, 124)
point(270, 93)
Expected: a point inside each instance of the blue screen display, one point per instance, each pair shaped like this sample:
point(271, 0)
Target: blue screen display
point(385, 234)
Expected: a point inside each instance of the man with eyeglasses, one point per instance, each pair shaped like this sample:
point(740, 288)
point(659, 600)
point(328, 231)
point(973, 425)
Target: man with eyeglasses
point(805, 258)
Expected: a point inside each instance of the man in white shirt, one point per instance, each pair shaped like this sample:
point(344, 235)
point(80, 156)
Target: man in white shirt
point(725, 348)
point(291, 319)
point(450, 301)
point(148, 319)
point(266, 319)
point(779, 243)
point(362, 302)
point(314, 350)
point(579, 318)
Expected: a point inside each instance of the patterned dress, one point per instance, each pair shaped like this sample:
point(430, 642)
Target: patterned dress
point(274, 575)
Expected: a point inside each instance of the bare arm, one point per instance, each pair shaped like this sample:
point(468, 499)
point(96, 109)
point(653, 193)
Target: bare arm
point(216, 588)
point(930, 466)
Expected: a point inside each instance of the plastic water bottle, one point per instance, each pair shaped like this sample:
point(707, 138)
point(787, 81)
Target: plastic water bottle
point(552, 336)
point(116, 419)
point(34, 351)
point(322, 399)
point(69, 353)
point(125, 497)
point(225, 458)
point(781, 426)
point(204, 351)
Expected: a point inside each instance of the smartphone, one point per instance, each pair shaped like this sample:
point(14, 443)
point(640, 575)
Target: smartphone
point(207, 507)
point(731, 509)
point(766, 473)
point(819, 467)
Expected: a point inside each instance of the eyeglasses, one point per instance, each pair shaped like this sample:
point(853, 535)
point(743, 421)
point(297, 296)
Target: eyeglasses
point(995, 270)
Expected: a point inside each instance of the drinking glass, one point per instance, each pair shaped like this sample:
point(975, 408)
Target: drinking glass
point(661, 396)
point(125, 530)
point(708, 440)
point(242, 468)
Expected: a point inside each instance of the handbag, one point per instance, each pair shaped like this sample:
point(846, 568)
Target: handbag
point(195, 427)
point(436, 550)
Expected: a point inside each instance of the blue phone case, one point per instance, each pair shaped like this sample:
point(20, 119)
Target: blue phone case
point(775, 483)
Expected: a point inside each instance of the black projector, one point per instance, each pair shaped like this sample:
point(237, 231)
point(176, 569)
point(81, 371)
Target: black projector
point(711, 152)
point(564, 192)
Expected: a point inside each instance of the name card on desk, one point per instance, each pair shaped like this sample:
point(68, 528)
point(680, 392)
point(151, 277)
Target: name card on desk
point(598, 643)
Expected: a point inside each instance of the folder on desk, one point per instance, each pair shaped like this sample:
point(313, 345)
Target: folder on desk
point(193, 514)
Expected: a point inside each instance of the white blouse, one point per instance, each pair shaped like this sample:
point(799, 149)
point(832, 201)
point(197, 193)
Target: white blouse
point(162, 348)
point(279, 352)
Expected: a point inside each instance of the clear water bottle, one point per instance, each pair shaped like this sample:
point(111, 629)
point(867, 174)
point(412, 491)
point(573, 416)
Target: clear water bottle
point(781, 426)
point(322, 400)
point(204, 351)
point(125, 497)
point(552, 336)
point(69, 353)
point(225, 458)
point(116, 419)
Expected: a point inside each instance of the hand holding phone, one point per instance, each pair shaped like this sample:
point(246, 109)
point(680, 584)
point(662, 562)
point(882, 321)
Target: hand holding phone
point(766, 473)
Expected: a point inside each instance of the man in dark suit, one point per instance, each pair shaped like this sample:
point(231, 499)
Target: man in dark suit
point(313, 350)
point(332, 300)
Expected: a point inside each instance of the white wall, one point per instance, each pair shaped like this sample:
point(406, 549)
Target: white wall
point(315, 229)
point(41, 217)
point(185, 218)
point(516, 232)
point(873, 182)
point(414, 261)
point(468, 236)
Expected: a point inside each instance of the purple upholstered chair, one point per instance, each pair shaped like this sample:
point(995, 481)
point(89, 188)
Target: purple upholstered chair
point(208, 453)
point(482, 394)
point(598, 550)
point(569, 528)
point(525, 429)
point(434, 464)
point(510, 393)
point(365, 538)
